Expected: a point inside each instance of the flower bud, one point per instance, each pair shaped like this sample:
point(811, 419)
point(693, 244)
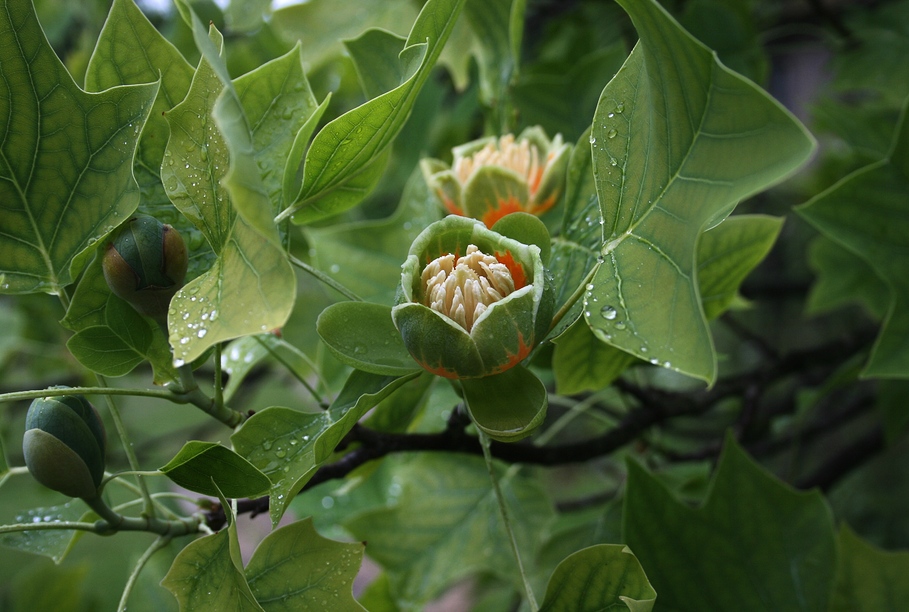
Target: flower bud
point(472, 303)
point(145, 264)
point(492, 177)
point(64, 445)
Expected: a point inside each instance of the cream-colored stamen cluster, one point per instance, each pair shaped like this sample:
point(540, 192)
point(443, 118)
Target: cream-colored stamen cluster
point(462, 291)
point(522, 158)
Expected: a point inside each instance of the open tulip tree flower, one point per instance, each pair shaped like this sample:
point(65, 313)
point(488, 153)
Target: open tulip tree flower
point(492, 177)
point(471, 306)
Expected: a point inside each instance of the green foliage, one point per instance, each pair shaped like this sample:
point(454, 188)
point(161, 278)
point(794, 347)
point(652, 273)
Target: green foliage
point(341, 360)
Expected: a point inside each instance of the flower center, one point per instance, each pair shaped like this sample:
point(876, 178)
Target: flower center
point(522, 158)
point(461, 288)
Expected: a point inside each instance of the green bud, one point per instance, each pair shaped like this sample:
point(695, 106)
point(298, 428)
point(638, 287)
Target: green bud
point(145, 264)
point(64, 445)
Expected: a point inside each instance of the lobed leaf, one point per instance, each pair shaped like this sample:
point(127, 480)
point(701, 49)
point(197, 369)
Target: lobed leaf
point(65, 161)
point(668, 142)
point(868, 578)
point(755, 544)
point(866, 213)
point(294, 568)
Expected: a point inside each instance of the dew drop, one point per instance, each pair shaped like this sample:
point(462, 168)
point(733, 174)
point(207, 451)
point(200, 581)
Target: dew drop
point(620, 325)
point(267, 444)
point(620, 108)
point(593, 139)
point(280, 453)
point(335, 268)
point(179, 363)
point(608, 312)
point(184, 340)
point(202, 333)
point(611, 134)
point(589, 287)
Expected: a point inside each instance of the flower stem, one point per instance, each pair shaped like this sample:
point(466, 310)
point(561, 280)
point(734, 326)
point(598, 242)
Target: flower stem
point(487, 455)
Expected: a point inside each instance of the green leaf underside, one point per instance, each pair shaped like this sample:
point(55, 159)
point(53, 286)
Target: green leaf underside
point(867, 577)
point(288, 445)
point(348, 155)
point(582, 362)
point(56, 206)
point(294, 568)
point(53, 543)
point(866, 213)
point(444, 524)
point(251, 286)
point(206, 467)
point(363, 336)
point(667, 139)
point(208, 574)
point(598, 578)
point(842, 278)
point(506, 406)
point(756, 544)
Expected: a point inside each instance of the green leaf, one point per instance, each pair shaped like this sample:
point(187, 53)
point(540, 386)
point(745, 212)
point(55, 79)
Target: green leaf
point(294, 568)
point(843, 278)
point(251, 286)
point(677, 141)
point(363, 336)
point(101, 350)
point(498, 43)
point(379, 61)
point(506, 406)
point(755, 544)
point(866, 213)
point(575, 250)
point(208, 574)
point(321, 26)
point(444, 524)
point(57, 205)
point(345, 159)
point(727, 254)
point(868, 578)
point(599, 578)
point(53, 543)
point(582, 362)
point(207, 467)
point(289, 445)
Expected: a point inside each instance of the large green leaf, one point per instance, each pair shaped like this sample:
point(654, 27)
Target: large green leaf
point(601, 577)
point(755, 544)
point(289, 445)
point(65, 162)
point(677, 141)
point(582, 362)
point(444, 524)
point(868, 213)
point(294, 568)
point(251, 287)
point(345, 159)
point(868, 578)
point(843, 278)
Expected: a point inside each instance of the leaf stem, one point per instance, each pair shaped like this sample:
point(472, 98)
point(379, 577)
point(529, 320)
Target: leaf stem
point(312, 391)
point(58, 391)
point(350, 295)
point(487, 455)
point(193, 394)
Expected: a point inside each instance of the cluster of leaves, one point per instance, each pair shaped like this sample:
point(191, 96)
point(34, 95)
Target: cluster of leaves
point(289, 204)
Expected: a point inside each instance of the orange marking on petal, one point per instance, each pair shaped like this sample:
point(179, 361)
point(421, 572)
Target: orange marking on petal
point(516, 269)
point(515, 358)
point(438, 370)
point(503, 208)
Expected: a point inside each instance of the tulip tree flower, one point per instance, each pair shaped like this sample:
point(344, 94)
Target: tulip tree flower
point(471, 306)
point(492, 177)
